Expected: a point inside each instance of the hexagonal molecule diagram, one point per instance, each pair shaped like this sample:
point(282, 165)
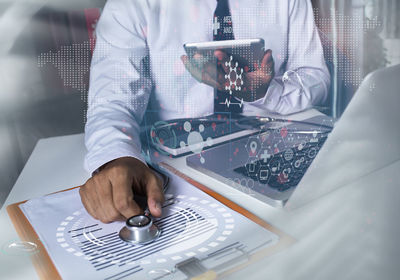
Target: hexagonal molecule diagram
point(234, 77)
point(195, 140)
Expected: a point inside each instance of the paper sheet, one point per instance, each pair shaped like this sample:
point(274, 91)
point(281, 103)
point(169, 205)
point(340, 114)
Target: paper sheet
point(193, 225)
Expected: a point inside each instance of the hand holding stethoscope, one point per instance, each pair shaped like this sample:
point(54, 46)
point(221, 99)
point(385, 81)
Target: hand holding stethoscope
point(140, 229)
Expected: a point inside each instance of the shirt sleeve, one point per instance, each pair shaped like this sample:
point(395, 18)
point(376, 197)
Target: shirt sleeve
point(306, 80)
point(119, 89)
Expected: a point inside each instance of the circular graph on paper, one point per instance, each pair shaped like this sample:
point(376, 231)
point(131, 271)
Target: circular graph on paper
point(189, 226)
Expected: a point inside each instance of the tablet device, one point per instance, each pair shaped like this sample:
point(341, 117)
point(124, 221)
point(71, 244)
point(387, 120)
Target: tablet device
point(248, 52)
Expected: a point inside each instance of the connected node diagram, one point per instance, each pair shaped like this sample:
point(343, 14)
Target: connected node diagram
point(195, 140)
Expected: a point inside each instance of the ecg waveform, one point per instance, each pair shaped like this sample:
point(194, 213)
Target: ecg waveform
point(228, 103)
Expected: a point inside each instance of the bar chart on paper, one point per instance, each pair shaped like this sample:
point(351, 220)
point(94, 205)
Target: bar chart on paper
point(193, 225)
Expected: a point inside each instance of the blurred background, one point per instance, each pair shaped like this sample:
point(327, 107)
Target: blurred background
point(46, 46)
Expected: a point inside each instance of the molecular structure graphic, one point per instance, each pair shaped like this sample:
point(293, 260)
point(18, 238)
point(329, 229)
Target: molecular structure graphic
point(195, 140)
point(237, 81)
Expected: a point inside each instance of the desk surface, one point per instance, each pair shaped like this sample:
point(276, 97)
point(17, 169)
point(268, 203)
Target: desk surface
point(352, 233)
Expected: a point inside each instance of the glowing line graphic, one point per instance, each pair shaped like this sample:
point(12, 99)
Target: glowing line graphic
point(229, 103)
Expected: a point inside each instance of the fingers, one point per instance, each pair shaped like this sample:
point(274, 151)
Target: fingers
point(194, 71)
point(155, 195)
point(202, 73)
point(223, 60)
point(89, 201)
point(267, 62)
point(96, 196)
point(105, 198)
point(209, 75)
point(214, 74)
point(122, 195)
point(258, 80)
point(108, 195)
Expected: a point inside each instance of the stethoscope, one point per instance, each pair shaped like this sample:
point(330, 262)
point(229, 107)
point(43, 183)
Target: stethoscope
point(140, 229)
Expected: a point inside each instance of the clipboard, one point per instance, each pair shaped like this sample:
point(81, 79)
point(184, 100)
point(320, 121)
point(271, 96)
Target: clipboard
point(46, 269)
point(42, 262)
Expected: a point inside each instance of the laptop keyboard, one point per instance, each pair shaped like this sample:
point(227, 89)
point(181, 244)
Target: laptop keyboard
point(282, 170)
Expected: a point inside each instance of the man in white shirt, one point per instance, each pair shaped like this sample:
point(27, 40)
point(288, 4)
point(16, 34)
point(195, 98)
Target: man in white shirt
point(139, 63)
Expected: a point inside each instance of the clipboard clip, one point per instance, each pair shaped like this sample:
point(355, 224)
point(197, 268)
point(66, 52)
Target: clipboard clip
point(191, 267)
point(207, 268)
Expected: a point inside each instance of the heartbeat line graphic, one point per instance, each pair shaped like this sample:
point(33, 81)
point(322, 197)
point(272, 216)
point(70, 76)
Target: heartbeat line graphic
point(229, 103)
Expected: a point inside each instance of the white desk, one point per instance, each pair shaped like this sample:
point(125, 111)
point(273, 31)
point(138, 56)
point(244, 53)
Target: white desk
point(352, 233)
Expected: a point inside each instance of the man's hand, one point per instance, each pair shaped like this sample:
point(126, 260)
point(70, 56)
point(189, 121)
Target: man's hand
point(108, 195)
point(212, 72)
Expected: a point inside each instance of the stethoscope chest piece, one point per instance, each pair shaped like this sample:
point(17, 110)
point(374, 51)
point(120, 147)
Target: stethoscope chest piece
point(139, 229)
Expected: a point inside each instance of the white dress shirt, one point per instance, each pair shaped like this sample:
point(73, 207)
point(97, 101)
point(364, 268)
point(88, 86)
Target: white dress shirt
point(129, 30)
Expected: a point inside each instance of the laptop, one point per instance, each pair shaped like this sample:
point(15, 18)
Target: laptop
point(293, 163)
point(270, 164)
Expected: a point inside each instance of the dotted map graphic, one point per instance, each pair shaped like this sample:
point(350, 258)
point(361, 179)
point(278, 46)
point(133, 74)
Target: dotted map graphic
point(72, 62)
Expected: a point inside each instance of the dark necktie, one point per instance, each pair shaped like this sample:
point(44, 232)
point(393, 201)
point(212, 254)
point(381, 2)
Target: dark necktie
point(223, 30)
